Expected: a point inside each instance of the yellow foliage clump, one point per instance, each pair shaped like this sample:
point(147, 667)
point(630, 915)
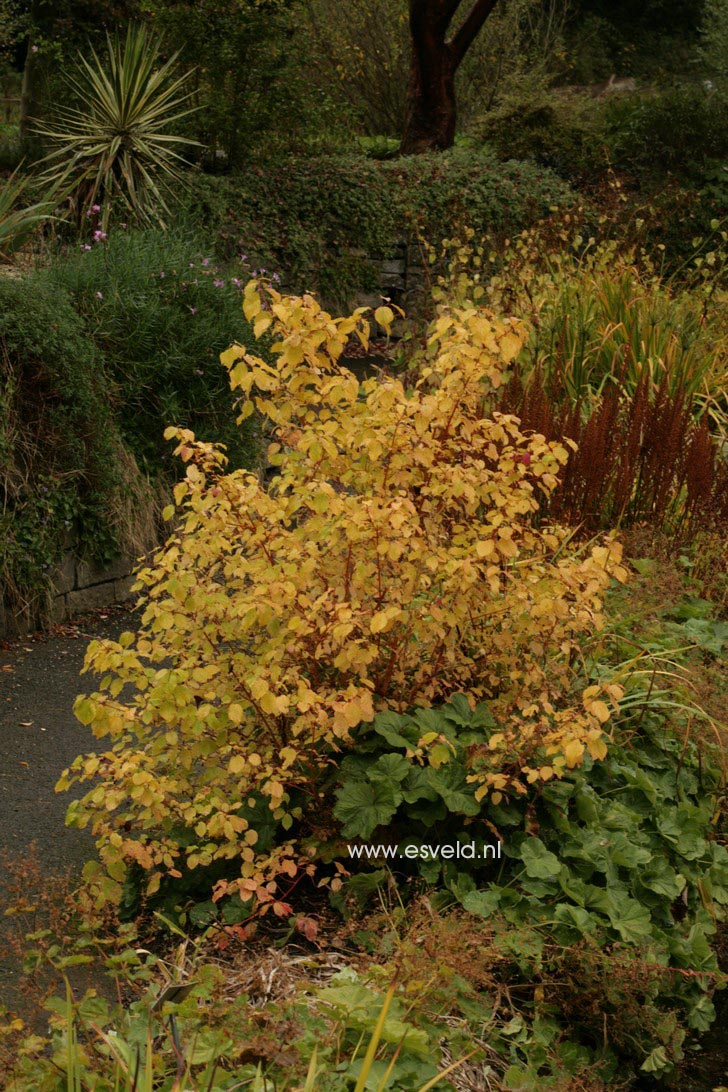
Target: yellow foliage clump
point(392, 562)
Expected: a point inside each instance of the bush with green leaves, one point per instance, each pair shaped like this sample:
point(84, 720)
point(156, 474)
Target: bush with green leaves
point(322, 220)
point(250, 96)
point(159, 311)
point(62, 459)
point(18, 219)
point(558, 129)
point(682, 130)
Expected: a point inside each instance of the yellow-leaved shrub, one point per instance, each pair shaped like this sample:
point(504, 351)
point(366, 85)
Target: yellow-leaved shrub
point(392, 562)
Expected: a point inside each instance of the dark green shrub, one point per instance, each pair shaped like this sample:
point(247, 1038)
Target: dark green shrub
point(682, 130)
point(558, 130)
point(320, 220)
point(62, 460)
point(159, 312)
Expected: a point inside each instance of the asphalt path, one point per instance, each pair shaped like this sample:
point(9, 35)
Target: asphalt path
point(39, 737)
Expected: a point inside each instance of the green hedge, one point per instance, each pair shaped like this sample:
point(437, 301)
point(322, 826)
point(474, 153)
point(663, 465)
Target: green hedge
point(60, 446)
point(303, 217)
point(99, 352)
point(160, 312)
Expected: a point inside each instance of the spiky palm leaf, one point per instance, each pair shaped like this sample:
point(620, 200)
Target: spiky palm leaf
point(18, 222)
point(118, 145)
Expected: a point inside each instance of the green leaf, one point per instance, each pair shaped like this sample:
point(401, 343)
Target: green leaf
point(482, 903)
point(662, 879)
point(458, 710)
point(391, 727)
point(363, 806)
point(540, 863)
point(631, 920)
point(656, 1061)
point(418, 785)
point(390, 770)
point(575, 917)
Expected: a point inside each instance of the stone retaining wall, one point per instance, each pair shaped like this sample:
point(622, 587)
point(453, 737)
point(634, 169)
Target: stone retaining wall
point(400, 276)
point(77, 586)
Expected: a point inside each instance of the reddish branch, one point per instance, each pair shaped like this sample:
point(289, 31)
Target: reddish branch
point(432, 108)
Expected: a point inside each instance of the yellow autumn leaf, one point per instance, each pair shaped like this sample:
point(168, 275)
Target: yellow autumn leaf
point(573, 752)
point(600, 710)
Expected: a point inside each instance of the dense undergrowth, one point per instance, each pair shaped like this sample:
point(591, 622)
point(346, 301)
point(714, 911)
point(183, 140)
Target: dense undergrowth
point(324, 220)
point(421, 782)
point(99, 350)
point(435, 666)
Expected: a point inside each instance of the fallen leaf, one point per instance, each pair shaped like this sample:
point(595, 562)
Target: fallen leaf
point(25, 723)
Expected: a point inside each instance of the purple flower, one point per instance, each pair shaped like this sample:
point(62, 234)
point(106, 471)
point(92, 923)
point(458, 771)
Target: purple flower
point(85, 246)
point(193, 310)
point(236, 282)
point(96, 208)
point(99, 236)
point(218, 283)
point(276, 278)
point(205, 261)
point(243, 257)
point(162, 275)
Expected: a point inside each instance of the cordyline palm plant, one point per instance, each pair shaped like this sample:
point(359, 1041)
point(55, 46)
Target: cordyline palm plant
point(117, 145)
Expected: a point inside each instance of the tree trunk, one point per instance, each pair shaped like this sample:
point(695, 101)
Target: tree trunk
point(431, 106)
point(29, 93)
point(32, 80)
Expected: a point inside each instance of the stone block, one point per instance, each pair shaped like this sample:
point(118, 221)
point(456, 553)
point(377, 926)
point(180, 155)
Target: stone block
point(58, 609)
point(63, 576)
point(88, 574)
point(83, 599)
point(122, 589)
point(393, 266)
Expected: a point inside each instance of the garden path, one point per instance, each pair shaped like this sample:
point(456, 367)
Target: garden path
point(39, 737)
